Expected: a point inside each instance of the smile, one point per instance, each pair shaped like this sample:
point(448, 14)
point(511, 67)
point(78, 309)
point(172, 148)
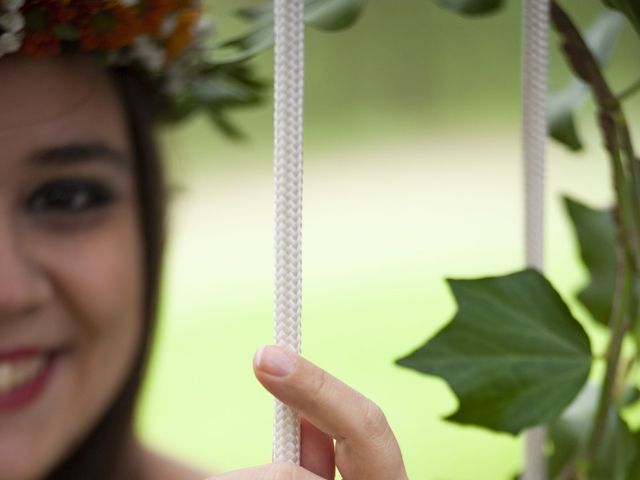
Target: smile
point(14, 374)
point(23, 378)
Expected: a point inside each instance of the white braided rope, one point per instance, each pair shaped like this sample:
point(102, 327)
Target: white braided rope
point(535, 91)
point(288, 123)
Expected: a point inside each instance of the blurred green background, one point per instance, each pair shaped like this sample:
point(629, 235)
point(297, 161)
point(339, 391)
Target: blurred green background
point(412, 175)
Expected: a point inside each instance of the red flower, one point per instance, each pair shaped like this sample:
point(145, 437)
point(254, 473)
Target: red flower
point(40, 44)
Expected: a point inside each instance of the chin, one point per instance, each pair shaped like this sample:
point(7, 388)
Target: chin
point(21, 459)
point(39, 423)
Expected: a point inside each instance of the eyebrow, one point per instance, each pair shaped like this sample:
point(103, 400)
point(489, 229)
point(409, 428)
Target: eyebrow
point(80, 153)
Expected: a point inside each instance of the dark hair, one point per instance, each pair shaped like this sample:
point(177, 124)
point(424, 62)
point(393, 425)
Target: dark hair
point(103, 453)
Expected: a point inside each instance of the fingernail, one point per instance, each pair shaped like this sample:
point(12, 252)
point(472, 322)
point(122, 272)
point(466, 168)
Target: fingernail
point(273, 361)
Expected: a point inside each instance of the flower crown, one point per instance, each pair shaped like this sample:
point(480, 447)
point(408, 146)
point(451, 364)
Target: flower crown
point(166, 39)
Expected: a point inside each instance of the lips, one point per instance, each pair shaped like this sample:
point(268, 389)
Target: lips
point(23, 377)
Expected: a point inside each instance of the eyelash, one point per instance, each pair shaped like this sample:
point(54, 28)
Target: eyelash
point(70, 196)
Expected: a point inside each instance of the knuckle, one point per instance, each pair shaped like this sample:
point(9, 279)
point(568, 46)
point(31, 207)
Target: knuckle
point(318, 385)
point(374, 423)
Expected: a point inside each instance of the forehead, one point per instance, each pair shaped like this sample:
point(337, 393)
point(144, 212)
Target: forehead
point(57, 100)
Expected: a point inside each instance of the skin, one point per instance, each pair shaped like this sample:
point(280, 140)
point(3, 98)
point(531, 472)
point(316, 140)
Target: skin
point(71, 281)
point(70, 278)
point(365, 446)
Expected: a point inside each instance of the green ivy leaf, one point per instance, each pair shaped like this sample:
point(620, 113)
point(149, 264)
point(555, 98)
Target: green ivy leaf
point(513, 354)
point(569, 434)
point(630, 396)
point(565, 103)
point(594, 231)
point(472, 7)
point(562, 108)
point(634, 469)
point(327, 15)
point(631, 8)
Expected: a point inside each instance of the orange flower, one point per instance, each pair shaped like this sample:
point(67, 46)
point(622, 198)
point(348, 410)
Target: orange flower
point(182, 36)
point(154, 14)
point(106, 25)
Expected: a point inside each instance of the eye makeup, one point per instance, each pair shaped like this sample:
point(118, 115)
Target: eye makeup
point(72, 203)
point(70, 196)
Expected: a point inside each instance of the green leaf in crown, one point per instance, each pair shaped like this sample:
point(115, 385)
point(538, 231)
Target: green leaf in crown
point(471, 7)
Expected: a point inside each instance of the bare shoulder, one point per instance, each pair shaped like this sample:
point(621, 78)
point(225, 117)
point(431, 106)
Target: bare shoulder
point(157, 466)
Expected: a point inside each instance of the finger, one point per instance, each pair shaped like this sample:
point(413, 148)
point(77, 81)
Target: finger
point(317, 452)
point(282, 471)
point(365, 445)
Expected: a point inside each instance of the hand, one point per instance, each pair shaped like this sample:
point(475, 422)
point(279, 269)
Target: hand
point(365, 447)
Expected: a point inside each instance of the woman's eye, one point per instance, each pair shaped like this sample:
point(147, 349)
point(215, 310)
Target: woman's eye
point(69, 196)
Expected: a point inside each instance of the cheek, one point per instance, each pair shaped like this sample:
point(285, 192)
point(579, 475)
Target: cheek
point(98, 280)
point(95, 305)
point(98, 286)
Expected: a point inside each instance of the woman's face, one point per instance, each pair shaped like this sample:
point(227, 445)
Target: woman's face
point(70, 258)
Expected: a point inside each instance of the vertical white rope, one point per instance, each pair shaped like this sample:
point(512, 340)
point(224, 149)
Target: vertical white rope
point(535, 68)
point(288, 123)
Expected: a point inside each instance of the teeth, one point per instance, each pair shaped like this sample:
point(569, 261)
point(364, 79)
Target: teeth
point(16, 373)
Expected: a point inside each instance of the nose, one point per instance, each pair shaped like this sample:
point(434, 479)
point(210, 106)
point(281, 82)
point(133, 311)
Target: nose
point(23, 286)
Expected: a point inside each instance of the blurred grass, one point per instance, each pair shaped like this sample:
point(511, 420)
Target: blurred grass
point(412, 175)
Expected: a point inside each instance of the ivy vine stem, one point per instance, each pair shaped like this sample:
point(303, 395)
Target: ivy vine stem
point(629, 91)
point(626, 181)
point(618, 328)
